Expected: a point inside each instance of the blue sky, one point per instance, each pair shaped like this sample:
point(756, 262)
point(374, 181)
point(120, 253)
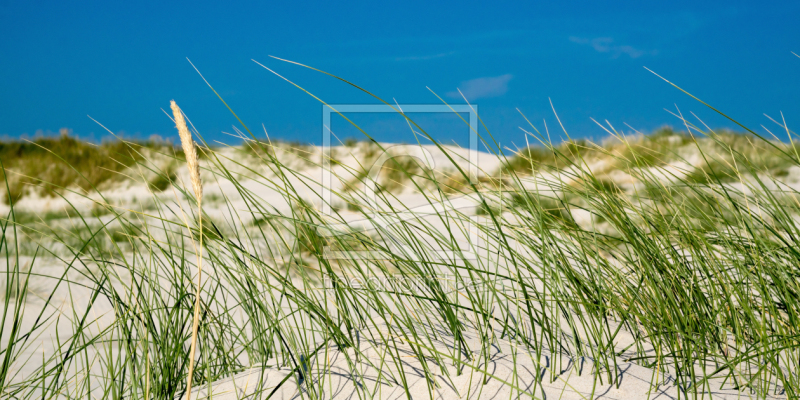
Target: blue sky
point(121, 63)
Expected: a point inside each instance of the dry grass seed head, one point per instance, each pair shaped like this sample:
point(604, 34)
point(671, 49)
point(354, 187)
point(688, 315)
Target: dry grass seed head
point(188, 149)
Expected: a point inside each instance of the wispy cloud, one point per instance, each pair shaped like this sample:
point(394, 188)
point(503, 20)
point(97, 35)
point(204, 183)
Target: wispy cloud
point(480, 88)
point(606, 45)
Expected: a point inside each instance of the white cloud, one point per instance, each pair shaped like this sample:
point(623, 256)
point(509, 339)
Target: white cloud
point(606, 45)
point(491, 86)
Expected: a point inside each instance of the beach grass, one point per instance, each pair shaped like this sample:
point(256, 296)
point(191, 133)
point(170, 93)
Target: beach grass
point(689, 266)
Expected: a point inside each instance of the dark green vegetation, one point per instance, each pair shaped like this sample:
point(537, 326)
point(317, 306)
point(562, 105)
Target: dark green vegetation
point(48, 165)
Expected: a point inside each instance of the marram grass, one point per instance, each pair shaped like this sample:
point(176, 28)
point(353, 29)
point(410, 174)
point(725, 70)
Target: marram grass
point(693, 275)
point(193, 163)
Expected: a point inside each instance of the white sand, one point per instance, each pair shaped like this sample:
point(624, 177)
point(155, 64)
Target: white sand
point(511, 372)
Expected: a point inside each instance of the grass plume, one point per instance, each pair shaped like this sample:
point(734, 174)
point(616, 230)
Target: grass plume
point(193, 163)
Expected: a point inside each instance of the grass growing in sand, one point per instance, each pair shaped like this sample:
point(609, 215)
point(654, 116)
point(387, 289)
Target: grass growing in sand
point(48, 165)
point(619, 252)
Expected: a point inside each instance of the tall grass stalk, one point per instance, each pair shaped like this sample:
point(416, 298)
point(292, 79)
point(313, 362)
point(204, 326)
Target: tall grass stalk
point(193, 163)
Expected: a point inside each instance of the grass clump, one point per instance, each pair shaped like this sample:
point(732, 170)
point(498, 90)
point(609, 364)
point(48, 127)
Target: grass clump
point(48, 165)
point(163, 180)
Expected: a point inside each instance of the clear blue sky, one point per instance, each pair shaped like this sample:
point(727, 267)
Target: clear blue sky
point(121, 62)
